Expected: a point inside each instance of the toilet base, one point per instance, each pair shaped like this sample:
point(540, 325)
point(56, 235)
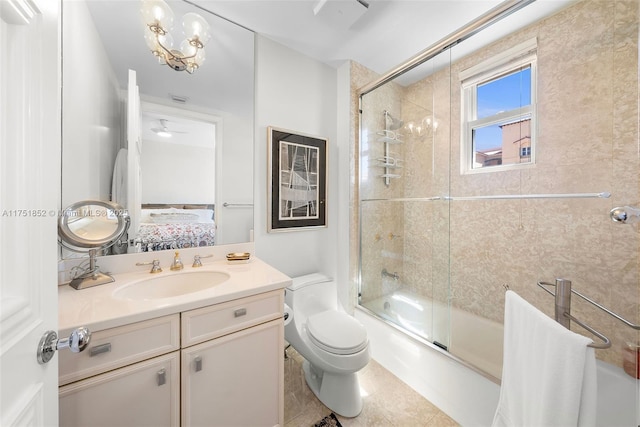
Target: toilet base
point(338, 392)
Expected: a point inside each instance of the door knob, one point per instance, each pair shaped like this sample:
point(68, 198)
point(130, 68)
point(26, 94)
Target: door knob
point(49, 343)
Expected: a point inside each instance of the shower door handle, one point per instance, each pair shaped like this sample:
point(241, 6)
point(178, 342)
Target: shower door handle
point(625, 214)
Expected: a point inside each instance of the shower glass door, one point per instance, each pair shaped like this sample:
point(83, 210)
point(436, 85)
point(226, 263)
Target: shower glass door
point(494, 166)
point(404, 213)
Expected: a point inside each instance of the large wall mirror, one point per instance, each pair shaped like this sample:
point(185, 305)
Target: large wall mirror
point(195, 147)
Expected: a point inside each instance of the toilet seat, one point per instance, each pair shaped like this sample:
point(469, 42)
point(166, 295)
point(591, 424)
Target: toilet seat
point(336, 332)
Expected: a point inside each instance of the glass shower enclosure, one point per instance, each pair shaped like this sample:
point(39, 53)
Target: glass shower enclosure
point(495, 164)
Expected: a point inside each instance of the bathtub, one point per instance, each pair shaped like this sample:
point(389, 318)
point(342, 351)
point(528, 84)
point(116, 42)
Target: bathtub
point(463, 382)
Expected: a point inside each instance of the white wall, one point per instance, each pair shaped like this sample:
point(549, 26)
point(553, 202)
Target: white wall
point(235, 183)
point(297, 93)
point(162, 162)
point(90, 111)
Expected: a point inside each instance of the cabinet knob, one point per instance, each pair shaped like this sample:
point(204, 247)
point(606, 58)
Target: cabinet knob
point(240, 312)
point(197, 363)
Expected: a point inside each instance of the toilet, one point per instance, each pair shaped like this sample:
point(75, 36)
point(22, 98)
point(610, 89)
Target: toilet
point(334, 345)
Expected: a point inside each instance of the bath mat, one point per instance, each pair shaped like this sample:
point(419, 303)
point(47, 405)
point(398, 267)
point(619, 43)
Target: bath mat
point(328, 421)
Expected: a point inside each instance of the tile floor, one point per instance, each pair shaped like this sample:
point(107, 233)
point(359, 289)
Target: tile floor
point(388, 402)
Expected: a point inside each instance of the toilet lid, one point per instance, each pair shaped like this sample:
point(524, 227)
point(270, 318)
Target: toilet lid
point(336, 332)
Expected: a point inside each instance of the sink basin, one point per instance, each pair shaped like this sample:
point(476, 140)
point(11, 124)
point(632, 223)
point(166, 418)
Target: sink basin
point(172, 285)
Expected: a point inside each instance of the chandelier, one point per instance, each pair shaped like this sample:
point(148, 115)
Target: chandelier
point(158, 20)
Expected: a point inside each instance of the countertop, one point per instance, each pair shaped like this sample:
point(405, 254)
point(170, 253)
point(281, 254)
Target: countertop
point(97, 308)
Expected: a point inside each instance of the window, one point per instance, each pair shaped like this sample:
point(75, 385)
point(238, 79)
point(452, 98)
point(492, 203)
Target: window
point(498, 114)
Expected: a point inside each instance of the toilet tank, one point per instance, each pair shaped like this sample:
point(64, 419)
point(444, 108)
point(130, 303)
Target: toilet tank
point(312, 293)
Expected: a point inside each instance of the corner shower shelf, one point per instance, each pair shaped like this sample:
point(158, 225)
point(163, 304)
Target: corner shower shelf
point(388, 140)
point(389, 162)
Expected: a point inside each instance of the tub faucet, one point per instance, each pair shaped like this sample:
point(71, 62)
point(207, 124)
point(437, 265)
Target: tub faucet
point(394, 275)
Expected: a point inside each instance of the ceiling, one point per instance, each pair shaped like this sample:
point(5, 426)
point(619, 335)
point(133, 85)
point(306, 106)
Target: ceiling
point(380, 37)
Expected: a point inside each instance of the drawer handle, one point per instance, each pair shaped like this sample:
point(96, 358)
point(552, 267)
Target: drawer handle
point(240, 312)
point(197, 363)
point(162, 377)
point(99, 349)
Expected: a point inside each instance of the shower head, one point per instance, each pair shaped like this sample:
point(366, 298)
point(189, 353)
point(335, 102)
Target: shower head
point(391, 122)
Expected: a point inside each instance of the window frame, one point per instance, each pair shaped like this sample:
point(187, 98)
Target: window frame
point(501, 65)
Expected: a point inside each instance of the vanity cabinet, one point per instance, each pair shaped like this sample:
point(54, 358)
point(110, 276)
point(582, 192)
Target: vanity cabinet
point(218, 365)
point(143, 394)
point(232, 366)
point(129, 375)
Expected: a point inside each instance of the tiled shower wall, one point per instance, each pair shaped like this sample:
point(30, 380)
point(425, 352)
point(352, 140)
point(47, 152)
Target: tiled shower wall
point(587, 143)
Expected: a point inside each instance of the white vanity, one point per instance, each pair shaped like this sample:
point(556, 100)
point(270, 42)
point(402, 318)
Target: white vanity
point(212, 356)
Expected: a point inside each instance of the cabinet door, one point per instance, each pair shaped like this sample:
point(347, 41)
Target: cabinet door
point(235, 380)
point(142, 394)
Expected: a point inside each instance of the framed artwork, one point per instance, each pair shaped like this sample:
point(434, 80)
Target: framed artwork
point(297, 182)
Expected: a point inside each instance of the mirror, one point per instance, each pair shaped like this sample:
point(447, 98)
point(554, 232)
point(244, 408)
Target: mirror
point(91, 226)
point(206, 181)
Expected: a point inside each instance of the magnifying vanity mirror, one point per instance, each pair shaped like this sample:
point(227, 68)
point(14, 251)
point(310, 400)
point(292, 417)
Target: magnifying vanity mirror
point(187, 178)
point(91, 226)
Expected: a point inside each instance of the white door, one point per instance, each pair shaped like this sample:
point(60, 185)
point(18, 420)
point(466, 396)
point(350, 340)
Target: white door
point(134, 148)
point(29, 198)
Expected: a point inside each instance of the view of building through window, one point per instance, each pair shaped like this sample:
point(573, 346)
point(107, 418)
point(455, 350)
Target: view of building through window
point(511, 146)
point(502, 133)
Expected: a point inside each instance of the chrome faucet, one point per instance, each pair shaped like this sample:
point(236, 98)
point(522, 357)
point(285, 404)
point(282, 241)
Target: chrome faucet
point(197, 260)
point(155, 265)
point(394, 275)
point(177, 262)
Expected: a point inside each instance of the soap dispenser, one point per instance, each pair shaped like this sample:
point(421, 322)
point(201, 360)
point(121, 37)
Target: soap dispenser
point(177, 262)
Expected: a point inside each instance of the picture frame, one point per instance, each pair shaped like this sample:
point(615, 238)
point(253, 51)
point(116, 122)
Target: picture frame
point(297, 180)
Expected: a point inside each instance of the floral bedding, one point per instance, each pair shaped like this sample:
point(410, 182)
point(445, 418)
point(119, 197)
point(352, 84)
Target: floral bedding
point(156, 237)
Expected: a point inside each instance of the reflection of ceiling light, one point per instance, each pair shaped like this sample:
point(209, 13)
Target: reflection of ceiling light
point(158, 19)
point(425, 127)
point(164, 134)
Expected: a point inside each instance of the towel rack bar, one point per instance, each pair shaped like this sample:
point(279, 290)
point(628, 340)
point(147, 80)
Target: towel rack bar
point(601, 195)
point(237, 205)
point(563, 310)
point(589, 300)
point(606, 343)
point(606, 310)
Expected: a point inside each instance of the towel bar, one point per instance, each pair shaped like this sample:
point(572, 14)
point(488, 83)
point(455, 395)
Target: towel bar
point(563, 309)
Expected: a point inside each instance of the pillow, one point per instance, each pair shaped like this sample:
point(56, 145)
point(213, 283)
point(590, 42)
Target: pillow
point(145, 214)
point(179, 215)
point(204, 215)
point(173, 218)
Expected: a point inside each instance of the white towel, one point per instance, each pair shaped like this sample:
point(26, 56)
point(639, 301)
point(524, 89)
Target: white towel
point(119, 181)
point(548, 374)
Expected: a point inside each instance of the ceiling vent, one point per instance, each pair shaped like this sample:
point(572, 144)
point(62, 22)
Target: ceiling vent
point(178, 99)
point(340, 14)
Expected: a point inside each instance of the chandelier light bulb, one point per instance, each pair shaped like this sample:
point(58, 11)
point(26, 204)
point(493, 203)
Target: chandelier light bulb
point(157, 13)
point(188, 49)
point(200, 57)
point(196, 28)
point(410, 126)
